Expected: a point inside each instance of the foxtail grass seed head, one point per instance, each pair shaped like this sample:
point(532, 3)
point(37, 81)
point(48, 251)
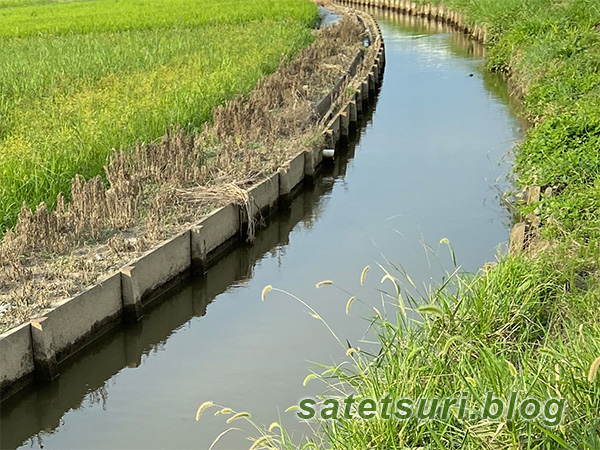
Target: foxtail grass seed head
point(224, 411)
point(204, 406)
point(430, 309)
point(387, 276)
point(237, 416)
point(447, 346)
point(260, 442)
point(511, 368)
point(377, 312)
point(350, 351)
point(363, 275)
point(594, 370)
point(310, 376)
point(324, 283)
point(350, 301)
point(265, 290)
point(273, 426)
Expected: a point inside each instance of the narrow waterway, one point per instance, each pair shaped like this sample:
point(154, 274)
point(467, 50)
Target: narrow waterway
point(423, 166)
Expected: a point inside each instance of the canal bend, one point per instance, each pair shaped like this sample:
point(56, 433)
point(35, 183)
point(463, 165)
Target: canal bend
point(423, 165)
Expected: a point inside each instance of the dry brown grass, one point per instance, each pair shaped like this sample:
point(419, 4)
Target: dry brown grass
point(156, 189)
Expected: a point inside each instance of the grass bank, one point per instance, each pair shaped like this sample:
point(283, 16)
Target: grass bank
point(79, 78)
point(532, 324)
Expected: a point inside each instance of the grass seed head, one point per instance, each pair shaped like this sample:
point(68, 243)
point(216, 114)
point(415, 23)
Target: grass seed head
point(204, 406)
point(260, 442)
point(350, 301)
point(265, 290)
point(594, 370)
point(363, 275)
point(240, 415)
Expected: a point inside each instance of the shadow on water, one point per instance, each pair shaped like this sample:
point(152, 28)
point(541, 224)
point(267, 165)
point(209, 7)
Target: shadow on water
point(420, 167)
point(84, 378)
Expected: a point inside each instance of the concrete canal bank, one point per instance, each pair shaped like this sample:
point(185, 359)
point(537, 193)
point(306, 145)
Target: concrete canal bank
point(421, 167)
point(33, 351)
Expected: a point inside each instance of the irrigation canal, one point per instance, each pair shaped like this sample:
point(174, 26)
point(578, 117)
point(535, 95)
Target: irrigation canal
point(423, 166)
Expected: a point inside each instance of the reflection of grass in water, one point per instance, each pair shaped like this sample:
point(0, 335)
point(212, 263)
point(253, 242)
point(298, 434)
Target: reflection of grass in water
point(552, 50)
point(87, 76)
point(459, 44)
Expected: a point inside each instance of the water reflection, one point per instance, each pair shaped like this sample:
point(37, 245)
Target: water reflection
point(86, 378)
point(420, 168)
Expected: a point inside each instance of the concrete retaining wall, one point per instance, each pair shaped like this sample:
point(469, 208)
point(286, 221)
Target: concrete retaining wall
point(341, 120)
point(150, 272)
point(34, 350)
point(435, 12)
point(82, 317)
point(212, 231)
point(16, 359)
point(263, 197)
point(290, 177)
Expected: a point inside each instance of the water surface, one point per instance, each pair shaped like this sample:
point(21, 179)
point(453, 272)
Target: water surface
point(422, 167)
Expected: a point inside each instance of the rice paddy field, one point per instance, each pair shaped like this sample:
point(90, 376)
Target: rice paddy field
point(79, 78)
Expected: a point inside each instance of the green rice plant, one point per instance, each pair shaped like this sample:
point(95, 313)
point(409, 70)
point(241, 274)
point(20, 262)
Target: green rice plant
point(80, 78)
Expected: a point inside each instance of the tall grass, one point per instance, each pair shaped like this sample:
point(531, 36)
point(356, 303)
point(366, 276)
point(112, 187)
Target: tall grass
point(532, 324)
point(525, 327)
point(528, 326)
point(80, 78)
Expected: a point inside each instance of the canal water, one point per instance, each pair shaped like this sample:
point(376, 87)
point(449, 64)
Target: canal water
point(424, 165)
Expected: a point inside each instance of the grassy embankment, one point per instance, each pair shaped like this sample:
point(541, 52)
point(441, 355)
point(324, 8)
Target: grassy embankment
point(532, 324)
point(78, 78)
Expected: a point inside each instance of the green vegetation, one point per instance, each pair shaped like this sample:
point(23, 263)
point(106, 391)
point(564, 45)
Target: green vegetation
point(532, 324)
point(529, 326)
point(552, 51)
point(79, 78)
